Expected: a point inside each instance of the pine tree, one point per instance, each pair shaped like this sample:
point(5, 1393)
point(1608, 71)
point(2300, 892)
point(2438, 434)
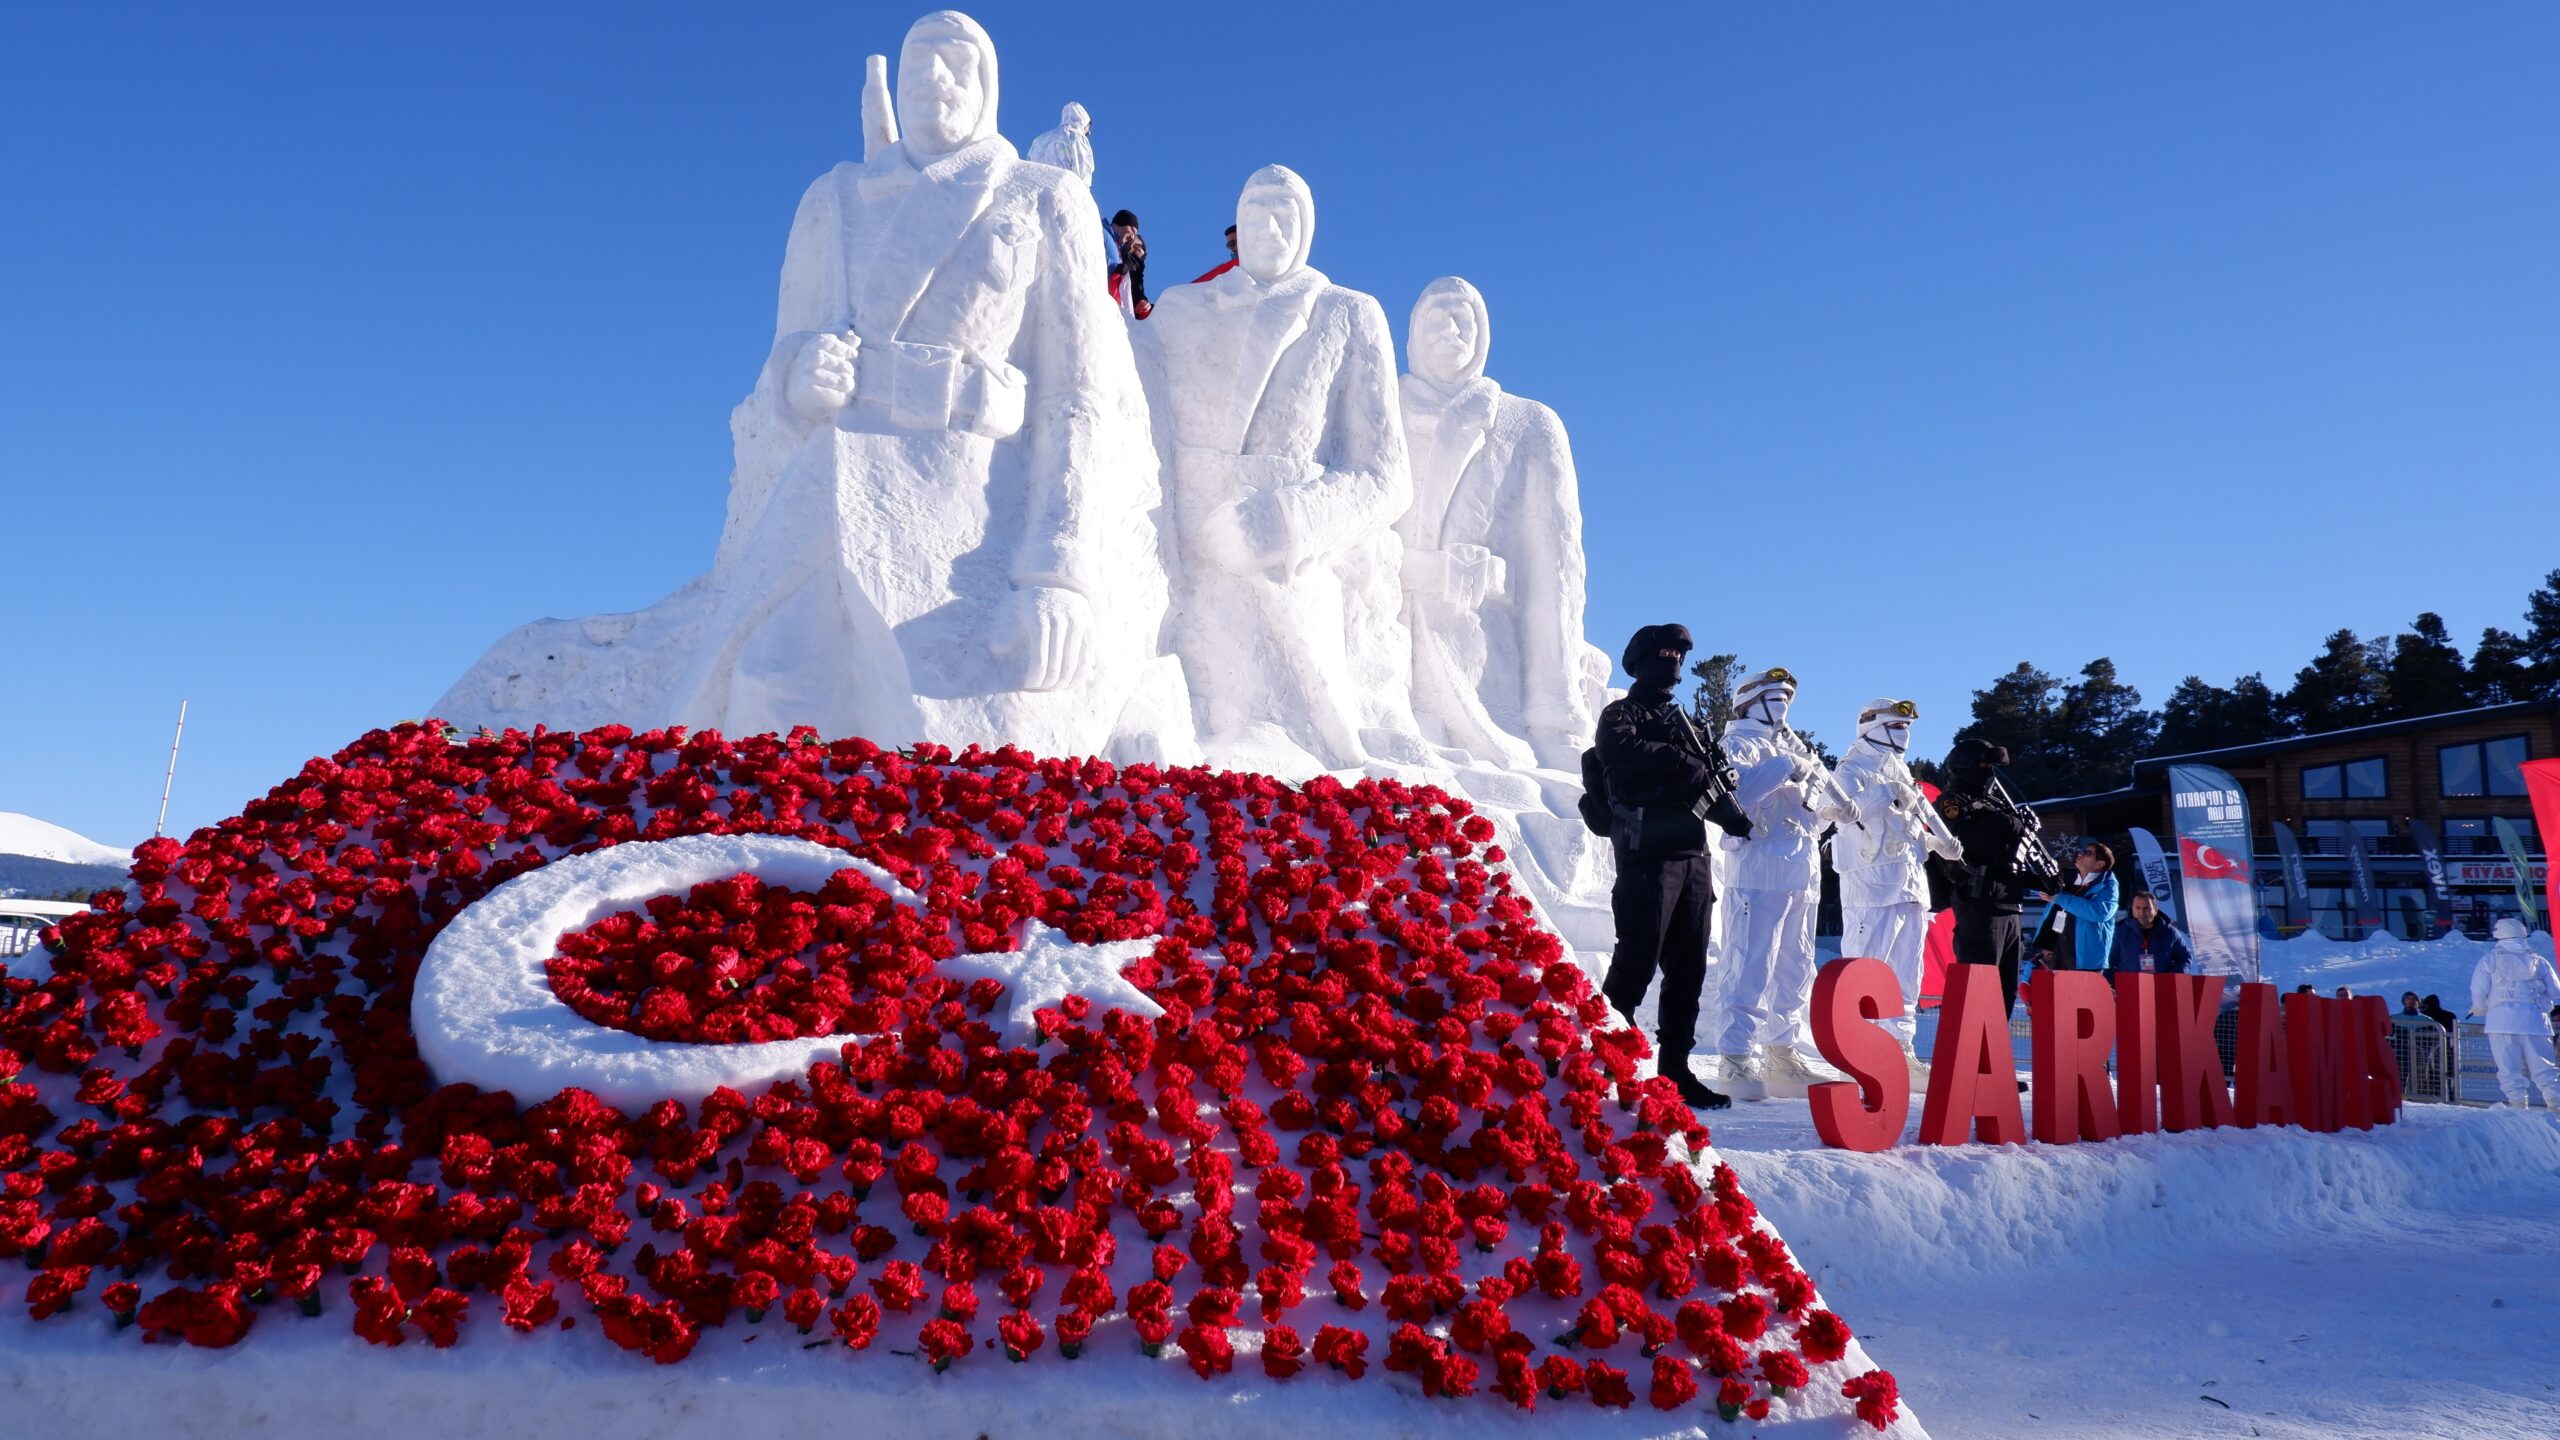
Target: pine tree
point(2016, 711)
point(2199, 716)
point(1711, 705)
point(2099, 730)
point(2542, 639)
point(2426, 675)
point(2500, 669)
point(2344, 686)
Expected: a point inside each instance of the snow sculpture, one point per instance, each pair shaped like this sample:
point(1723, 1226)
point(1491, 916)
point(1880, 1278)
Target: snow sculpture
point(1273, 391)
point(1493, 565)
point(1884, 892)
point(1069, 147)
point(940, 521)
point(1772, 885)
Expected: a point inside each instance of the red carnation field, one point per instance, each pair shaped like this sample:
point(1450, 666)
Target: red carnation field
point(1384, 1130)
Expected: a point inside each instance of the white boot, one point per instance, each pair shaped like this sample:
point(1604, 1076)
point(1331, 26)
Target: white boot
point(1919, 1069)
point(1741, 1076)
point(1787, 1075)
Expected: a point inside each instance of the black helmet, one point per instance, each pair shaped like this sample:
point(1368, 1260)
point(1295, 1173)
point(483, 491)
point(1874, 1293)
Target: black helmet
point(1977, 754)
point(1642, 646)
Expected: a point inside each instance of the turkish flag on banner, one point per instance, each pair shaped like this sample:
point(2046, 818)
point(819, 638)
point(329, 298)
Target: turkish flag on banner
point(2203, 862)
point(2542, 782)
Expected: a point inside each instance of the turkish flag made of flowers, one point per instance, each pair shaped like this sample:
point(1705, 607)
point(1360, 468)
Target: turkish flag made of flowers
point(1189, 1062)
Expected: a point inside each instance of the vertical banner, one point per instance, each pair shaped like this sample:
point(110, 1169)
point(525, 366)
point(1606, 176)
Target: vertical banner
point(2513, 844)
point(2297, 885)
point(2431, 855)
point(2213, 863)
point(2368, 896)
point(2156, 874)
point(2542, 782)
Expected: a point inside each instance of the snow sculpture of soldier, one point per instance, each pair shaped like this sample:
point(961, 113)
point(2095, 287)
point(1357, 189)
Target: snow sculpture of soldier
point(1493, 563)
point(1772, 887)
point(2514, 989)
point(1884, 890)
point(1275, 402)
point(940, 523)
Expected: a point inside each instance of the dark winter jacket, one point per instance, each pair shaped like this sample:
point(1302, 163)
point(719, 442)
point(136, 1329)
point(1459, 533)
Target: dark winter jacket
point(1989, 832)
point(2169, 954)
point(1658, 763)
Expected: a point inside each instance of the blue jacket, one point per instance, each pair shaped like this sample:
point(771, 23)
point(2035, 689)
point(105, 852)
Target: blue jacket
point(2169, 954)
point(2093, 923)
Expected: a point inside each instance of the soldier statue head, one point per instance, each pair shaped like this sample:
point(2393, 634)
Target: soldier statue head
point(1449, 336)
point(1275, 224)
point(946, 85)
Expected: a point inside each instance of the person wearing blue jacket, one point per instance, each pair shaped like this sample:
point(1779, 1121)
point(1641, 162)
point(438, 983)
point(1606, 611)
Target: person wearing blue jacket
point(2147, 941)
point(2082, 920)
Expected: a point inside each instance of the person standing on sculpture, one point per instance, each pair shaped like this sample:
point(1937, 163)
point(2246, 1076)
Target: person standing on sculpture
point(1773, 882)
point(1665, 782)
point(1881, 858)
point(1275, 397)
point(1493, 562)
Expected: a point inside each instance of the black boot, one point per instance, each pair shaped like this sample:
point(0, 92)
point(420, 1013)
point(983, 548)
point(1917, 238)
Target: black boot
point(1694, 1092)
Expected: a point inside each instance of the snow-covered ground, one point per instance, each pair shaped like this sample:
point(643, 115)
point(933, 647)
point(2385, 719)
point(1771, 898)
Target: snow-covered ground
point(2382, 965)
point(2403, 1282)
point(44, 840)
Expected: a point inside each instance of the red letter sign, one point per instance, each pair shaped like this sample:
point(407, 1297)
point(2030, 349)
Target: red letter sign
point(1849, 996)
point(2266, 1074)
point(2311, 1041)
point(1972, 1077)
point(2074, 1029)
point(2382, 1067)
point(2193, 1094)
point(2137, 1052)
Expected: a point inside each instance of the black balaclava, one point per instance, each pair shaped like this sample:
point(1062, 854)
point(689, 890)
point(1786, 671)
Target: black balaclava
point(1644, 661)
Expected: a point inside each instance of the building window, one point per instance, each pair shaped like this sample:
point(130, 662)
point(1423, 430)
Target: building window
point(2348, 780)
point(2329, 837)
point(2489, 767)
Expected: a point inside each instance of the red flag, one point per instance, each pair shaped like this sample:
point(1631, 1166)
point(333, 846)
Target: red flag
point(2542, 782)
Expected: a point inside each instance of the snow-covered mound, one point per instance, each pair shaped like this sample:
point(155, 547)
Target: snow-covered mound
point(2381, 1283)
point(43, 840)
point(2383, 965)
point(1309, 1115)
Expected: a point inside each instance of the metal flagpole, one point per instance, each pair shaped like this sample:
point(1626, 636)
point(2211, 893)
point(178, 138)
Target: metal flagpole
point(172, 777)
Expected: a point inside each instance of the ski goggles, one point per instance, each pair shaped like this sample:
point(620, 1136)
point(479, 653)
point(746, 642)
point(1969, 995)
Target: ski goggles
point(1902, 709)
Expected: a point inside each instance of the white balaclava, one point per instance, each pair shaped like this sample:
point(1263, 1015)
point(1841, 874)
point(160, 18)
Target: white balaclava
point(944, 25)
point(1443, 293)
point(1075, 120)
point(2507, 927)
point(1885, 723)
point(1764, 695)
point(1285, 181)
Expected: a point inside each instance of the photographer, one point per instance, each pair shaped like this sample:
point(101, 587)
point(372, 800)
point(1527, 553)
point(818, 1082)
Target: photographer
point(1663, 782)
point(1993, 882)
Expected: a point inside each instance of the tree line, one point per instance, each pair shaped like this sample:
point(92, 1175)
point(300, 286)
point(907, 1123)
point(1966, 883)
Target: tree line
point(2076, 737)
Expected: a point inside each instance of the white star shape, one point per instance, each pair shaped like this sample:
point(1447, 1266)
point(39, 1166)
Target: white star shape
point(1047, 967)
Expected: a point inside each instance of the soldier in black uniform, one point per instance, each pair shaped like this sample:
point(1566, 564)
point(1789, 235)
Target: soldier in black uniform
point(1664, 782)
point(1990, 886)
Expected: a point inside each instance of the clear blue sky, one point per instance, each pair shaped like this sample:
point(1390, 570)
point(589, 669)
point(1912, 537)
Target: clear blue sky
point(1898, 343)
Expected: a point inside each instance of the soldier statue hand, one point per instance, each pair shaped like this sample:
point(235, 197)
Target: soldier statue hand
point(1051, 627)
point(821, 380)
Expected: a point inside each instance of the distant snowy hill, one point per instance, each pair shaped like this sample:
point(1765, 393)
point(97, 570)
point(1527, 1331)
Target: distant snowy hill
point(42, 840)
point(41, 859)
